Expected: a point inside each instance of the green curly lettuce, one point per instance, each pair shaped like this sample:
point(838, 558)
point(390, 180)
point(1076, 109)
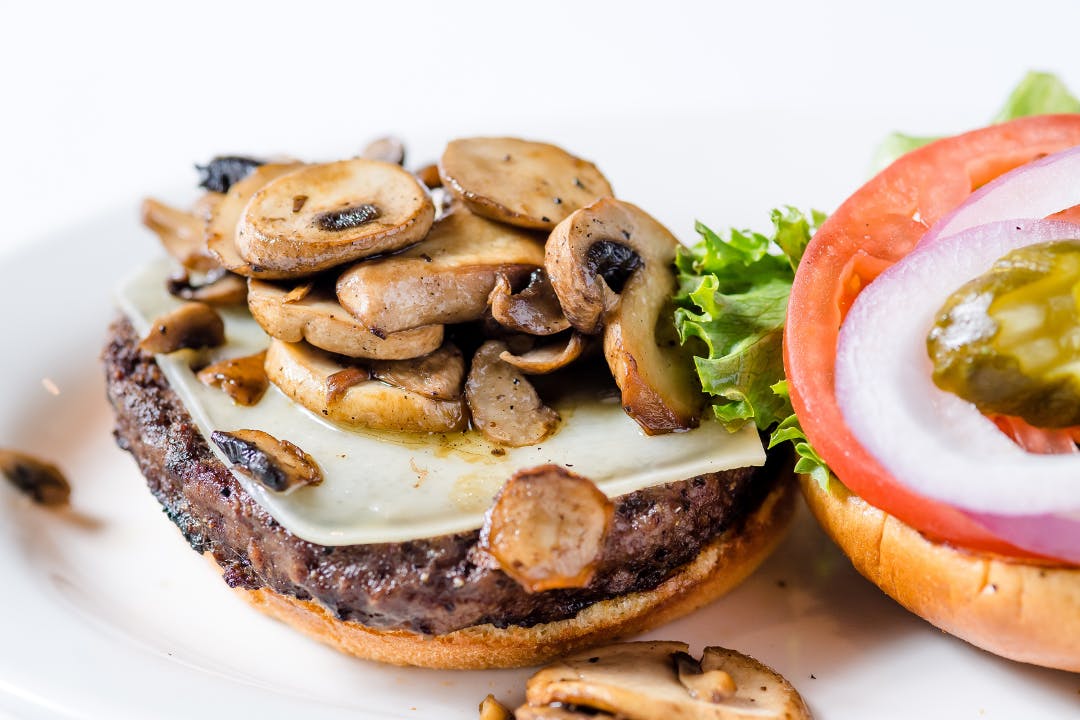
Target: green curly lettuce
point(731, 309)
point(1038, 93)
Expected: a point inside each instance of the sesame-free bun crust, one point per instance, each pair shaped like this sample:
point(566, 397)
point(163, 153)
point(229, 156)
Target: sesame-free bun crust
point(1022, 611)
point(718, 568)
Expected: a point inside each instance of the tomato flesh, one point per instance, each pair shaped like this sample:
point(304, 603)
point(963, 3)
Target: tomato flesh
point(869, 232)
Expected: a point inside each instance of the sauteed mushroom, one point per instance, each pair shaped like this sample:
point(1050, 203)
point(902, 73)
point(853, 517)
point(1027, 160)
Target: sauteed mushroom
point(641, 681)
point(529, 184)
point(616, 243)
point(316, 316)
point(221, 228)
point(534, 310)
point(304, 374)
point(504, 404)
point(192, 325)
point(243, 379)
point(42, 481)
point(438, 375)
point(351, 209)
point(385, 149)
point(276, 464)
point(548, 358)
point(547, 528)
point(219, 287)
point(181, 234)
point(447, 278)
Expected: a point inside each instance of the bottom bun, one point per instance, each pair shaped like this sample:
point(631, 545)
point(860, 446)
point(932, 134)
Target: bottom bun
point(718, 568)
point(1022, 611)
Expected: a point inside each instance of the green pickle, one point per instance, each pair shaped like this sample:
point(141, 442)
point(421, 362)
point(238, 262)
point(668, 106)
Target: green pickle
point(1009, 340)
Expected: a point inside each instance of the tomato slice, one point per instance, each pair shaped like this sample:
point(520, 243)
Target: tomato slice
point(869, 232)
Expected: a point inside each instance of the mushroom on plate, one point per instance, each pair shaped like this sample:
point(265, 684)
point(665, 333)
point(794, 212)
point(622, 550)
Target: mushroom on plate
point(304, 374)
point(523, 183)
point(313, 314)
point(650, 681)
point(321, 216)
point(611, 265)
point(437, 375)
point(447, 278)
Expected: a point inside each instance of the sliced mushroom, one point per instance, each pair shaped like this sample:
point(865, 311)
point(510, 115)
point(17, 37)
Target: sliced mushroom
point(218, 287)
point(613, 243)
point(41, 481)
point(548, 358)
point(311, 312)
point(445, 279)
point(547, 528)
point(534, 310)
point(639, 681)
point(492, 709)
point(503, 403)
point(713, 685)
point(303, 373)
point(192, 325)
point(352, 209)
point(438, 375)
point(385, 149)
point(243, 379)
point(276, 464)
point(523, 183)
point(181, 234)
point(558, 712)
point(224, 220)
point(429, 175)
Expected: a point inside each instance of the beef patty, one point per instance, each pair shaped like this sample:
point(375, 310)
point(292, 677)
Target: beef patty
point(432, 585)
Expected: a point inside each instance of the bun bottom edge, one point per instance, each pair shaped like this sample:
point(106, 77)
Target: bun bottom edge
point(718, 568)
point(1021, 611)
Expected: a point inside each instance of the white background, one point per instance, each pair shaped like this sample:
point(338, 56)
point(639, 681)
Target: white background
point(103, 102)
point(712, 111)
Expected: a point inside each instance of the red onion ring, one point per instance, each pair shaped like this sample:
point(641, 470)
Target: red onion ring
point(933, 442)
point(1037, 190)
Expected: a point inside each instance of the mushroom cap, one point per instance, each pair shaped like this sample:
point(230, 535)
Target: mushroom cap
point(456, 264)
point(321, 216)
point(303, 373)
point(640, 681)
point(520, 182)
point(615, 238)
point(319, 319)
point(224, 220)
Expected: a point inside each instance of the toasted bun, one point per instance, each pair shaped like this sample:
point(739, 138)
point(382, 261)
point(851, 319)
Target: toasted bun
point(1023, 611)
point(722, 565)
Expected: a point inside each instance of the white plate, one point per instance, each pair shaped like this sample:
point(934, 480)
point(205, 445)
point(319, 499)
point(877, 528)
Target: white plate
point(108, 614)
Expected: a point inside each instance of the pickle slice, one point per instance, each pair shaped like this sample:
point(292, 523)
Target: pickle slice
point(1009, 340)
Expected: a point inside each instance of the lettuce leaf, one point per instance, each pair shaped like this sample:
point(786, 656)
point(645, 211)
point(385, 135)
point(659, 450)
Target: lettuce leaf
point(732, 305)
point(1038, 93)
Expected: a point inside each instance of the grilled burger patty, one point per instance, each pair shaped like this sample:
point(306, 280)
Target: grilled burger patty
point(433, 585)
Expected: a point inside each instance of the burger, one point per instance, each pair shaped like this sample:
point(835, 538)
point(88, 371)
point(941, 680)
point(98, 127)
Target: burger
point(439, 419)
point(930, 360)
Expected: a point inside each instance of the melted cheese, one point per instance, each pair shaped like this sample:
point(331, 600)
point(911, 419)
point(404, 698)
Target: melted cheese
point(384, 487)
